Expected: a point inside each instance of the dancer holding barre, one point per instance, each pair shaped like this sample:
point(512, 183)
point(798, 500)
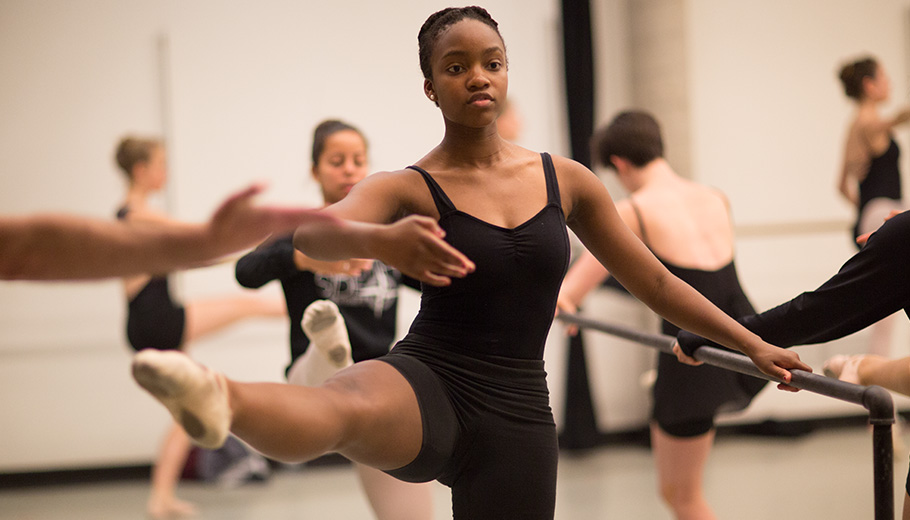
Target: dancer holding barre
point(482, 223)
point(689, 229)
point(870, 286)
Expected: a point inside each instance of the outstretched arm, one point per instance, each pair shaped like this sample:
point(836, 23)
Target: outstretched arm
point(365, 227)
point(899, 118)
point(595, 220)
point(585, 274)
point(69, 247)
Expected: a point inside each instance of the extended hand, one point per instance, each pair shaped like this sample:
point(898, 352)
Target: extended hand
point(238, 223)
point(415, 246)
point(776, 362)
point(683, 358)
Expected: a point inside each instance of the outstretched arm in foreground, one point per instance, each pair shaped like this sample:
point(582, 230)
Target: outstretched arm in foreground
point(69, 247)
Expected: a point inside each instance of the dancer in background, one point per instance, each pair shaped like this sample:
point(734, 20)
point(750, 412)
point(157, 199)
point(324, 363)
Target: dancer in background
point(870, 177)
point(156, 321)
point(869, 287)
point(689, 229)
point(351, 306)
point(510, 124)
point(481, 222)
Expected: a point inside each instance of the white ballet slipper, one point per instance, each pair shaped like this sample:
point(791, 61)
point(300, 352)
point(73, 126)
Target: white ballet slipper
point(195, 395)
point(324, 325)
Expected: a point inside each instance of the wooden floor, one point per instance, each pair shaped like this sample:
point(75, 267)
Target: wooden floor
point(826, 474)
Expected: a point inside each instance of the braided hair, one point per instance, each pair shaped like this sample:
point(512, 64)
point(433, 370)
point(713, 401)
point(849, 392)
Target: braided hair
point(438, 22)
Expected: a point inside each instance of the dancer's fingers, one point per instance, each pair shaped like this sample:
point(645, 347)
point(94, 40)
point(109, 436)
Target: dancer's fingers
point(683, 358)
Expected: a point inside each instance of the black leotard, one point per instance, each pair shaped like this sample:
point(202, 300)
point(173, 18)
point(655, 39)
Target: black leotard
point(154, 319)
point(687, 398)
point(883, 180)
point(474, 358)
point(367, 302)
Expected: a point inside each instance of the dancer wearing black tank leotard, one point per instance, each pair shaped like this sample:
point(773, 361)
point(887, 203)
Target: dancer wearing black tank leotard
point(688, 228)
point(463, 398)
point(470, 352)
point(870, 177)
point(685, 400)
point(869, 287)
point(155, 321)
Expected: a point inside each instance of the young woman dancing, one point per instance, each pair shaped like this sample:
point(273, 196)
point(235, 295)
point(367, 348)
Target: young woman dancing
point(482, 223)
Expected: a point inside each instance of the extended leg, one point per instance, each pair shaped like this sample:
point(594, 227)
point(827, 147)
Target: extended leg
point(208, 316)
point(869, 369)
point(367, 412)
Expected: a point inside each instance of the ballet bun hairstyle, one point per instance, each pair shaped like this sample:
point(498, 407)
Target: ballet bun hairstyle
point(438, 22)
point(633, 135)
point(852, 76)
point(132, 151)
point(325, 129)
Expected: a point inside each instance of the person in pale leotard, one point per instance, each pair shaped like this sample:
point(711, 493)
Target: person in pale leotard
point(482, 223)
point(688, 228)
point(156, 321)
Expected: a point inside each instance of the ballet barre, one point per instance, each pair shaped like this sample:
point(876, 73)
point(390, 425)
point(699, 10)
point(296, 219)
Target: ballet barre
point(875, 399)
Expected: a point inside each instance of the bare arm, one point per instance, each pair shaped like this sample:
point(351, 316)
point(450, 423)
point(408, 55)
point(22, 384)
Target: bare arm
point(847, 182)
point(900, 118)
point(853, 166)
point(595, 220)
point(587, 272)
point(68, 247)
point(365, 227)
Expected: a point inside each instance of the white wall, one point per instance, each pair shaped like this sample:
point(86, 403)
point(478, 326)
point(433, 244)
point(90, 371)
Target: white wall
point(246, 82)
point(237, 88)
point(769, 114)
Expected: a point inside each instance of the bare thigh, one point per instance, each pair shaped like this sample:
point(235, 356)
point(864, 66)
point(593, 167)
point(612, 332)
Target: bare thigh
point(368, 412)
point(385, 429)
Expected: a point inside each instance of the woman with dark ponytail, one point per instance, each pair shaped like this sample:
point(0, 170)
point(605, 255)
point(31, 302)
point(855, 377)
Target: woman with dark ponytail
point(870, 177)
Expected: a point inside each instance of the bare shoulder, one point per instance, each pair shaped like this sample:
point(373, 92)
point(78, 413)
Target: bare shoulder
point(578, 185)
point(396, 180)
point(384, 197)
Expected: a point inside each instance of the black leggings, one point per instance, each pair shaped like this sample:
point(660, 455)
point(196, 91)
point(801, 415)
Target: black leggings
point(499, 465)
